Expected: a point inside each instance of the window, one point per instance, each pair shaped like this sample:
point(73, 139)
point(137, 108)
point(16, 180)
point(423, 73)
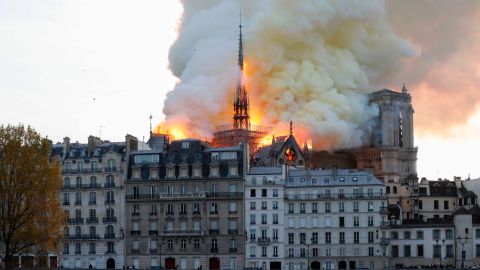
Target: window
point(78, 248)
point(448, 234)
point(275, 193)
point(355, 206)
point(356, 221)
point(328, 238)
point(264, 193)
point(327, 207)
point(477, 233)
point(477, 250)
point(370, 237)
point(445, 205)
point(394, 190)
point(264, 251)
point(264, 218)
point(435, 204)
point(66, 248)
point(420, 251)
point(370, 251)
point(370, 221)
point(303, 238)
point(253, 193)
point(110, 197)
point(275, 218)
point(214, 245)
point(253, 235)
point(214, 208)
point(437, 249)
point(370, 206)
point(341, 237)
point(394, 235)
point(356, 237)
point(341, 221)
point(419, 234)
point(170, 244)
point(394, 251)
point(92, 198)
point(196, 244)
point(252, 219)
point(232, 208)
point(341, 207)
point(314, 207)
point(78, 198)
point(264, 205)
point(196, 208)
point(436, 234)
point(290, 238)
point(275, 251)
point(275, 234)
point(290, 208)
point(449, 251)
point(302, 207)
point(406, 251)
point(275, 205)
point(328, 221)
point(183, 245)
point(252, 251)
point(253, 206)
point(91, 248)
point(183, 209)
point(406, 235)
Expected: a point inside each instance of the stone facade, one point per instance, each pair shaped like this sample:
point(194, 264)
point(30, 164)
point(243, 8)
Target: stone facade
point(265, 218)
point(334, 219)
point(93, 196)
point(185, 207)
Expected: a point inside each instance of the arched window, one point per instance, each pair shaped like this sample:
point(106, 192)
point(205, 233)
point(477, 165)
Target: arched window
point(93, 231)
point(387, 189)
point(93, 181)
point(394, 190)
point(110, 181)
point(78, 231)
point(66, 182)
point(109, 230)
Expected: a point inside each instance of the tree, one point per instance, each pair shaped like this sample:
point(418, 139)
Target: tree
point(30, 212)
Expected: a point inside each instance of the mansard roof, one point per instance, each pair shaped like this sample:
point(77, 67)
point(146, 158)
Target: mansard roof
point(331, 177)
point(442, 189)
point(80, 150)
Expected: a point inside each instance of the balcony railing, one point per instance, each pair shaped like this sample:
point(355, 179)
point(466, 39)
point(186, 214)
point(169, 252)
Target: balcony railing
point(110, 169)
point(109, 236)
point(134, 233)
point(232, 250)
point(224, 194)
point(263, 241)
point(109, 201)
point(384, 224)
point(232, 231)
point(213, 250)
point(82, 186)
point(109, 185)
point(75, 220)
point(109, 219)
point(66, 203)
point(182, 232)
point(367, 196)
point(84, 236)
point(92, 220)
point(214, 232)
point(92, 202)
point(153, 232)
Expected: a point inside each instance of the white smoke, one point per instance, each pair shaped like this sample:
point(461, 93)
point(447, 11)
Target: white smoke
point(310, 61)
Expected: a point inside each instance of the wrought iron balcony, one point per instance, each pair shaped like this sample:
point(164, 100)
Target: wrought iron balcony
point(84, 236)
point(109, 236)
point(109, 201)
point(263, 241)
point(213, 232)
point(384, 241)
point(232, 231)
point(111, 169)
point(92, 220)
point(109, 219)
point(306, 197)
point(134, 233)
point(75, 220)
point(182, 233)
point(153, 232)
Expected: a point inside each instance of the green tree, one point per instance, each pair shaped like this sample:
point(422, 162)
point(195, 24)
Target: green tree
point(30, 212)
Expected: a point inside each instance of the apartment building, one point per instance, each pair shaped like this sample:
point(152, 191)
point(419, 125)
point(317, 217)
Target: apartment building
point(335, 219)
point(185, 207)
point(264, 218)
point(92, 196)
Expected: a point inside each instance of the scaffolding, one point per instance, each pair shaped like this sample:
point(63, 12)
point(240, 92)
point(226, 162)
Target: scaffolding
point(228, 135)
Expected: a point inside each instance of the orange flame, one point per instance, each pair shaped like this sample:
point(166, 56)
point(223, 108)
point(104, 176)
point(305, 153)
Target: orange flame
point(176, 132)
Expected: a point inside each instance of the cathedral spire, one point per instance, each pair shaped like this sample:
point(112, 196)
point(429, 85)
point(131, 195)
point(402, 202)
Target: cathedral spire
point(241, 118)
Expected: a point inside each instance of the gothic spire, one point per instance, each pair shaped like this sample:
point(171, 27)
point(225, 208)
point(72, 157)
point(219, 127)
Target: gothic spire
point(241, 118)
point(240, 45)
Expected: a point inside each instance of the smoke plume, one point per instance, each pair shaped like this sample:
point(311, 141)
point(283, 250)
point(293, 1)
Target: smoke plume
point(312, 62)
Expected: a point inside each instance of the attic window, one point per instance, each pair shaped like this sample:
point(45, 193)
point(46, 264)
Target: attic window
point(354, 178)
point(341, 179)
point(185, 145)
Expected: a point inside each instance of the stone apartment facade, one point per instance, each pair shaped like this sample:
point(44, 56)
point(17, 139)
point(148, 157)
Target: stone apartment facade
point(184, 207)
point(334, 219)
point(92, 196)
point(265, 218)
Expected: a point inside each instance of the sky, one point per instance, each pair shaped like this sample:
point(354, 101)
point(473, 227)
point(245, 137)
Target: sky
point(79, 68)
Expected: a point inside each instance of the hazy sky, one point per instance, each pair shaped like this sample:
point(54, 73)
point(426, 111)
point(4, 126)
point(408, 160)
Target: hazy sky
point(73, 68)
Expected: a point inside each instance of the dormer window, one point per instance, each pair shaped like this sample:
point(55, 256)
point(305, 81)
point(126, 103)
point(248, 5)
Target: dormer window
point(214, 171)
point(170, 171)
point(183, 171)
point(185, 145)
point(354, 179)
point(197, 171)
point(136, 173)
point(233, 170)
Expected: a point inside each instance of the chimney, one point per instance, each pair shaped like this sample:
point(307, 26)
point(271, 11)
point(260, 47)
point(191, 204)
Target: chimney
point(131, 143)
point(92, 142)
point(458, 181)
point(334, 172)
point(66, 147)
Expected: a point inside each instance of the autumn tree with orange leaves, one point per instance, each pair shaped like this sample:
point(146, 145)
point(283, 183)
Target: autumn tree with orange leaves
point(30, 212)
